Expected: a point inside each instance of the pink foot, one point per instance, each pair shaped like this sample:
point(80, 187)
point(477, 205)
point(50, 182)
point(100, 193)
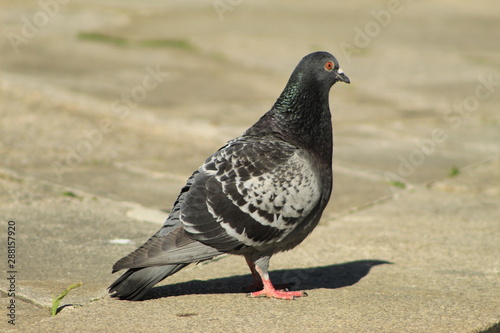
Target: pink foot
point(270, 291)
point(278, 294)
point(261, 280)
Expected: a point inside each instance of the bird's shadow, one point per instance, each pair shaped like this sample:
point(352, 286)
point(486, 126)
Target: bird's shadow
point(329, 277)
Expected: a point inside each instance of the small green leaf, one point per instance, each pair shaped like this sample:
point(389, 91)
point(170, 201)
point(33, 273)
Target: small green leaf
point(454, 171)
point(70, 194)
point(56, 301)
point(103, 38)
point(397, 183)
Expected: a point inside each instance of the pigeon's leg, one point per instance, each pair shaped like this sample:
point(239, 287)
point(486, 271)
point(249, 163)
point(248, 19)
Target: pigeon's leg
point(268, 288)
point(257, 284)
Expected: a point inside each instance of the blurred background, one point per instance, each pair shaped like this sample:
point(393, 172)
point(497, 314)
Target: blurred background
point(125, 98)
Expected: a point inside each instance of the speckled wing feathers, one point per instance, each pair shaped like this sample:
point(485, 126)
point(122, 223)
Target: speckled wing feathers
point(250, 193)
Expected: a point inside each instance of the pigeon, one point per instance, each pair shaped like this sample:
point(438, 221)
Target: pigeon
point(260, 194)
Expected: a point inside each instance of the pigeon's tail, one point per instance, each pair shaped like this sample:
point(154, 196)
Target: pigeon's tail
point(164, 254)
point(136, 282)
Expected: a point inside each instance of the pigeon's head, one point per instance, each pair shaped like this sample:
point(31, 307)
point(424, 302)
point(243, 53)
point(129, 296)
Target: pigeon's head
point(309, 86)
point(321, 67)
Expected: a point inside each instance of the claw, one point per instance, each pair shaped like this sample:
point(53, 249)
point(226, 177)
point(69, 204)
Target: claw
point(261, 280)
point(273, 293)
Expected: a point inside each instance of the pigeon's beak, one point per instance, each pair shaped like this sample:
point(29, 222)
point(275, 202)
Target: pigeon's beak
point(342, 77)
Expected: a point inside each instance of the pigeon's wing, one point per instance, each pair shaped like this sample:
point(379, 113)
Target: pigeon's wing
point(170, 245)
point(250, 193)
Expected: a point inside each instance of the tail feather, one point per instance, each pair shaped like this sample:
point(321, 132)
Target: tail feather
point(136, 282)
point(164, 254)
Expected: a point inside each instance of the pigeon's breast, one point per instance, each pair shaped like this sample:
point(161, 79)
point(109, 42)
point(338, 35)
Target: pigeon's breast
point(276, 201)
point(286, 194)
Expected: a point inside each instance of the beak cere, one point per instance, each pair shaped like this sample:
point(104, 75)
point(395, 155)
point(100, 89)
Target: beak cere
point(342, 77)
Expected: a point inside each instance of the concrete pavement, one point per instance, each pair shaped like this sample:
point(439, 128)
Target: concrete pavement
point(106, 109)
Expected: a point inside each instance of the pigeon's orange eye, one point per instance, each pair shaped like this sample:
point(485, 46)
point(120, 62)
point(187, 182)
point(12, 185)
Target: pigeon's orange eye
point(329, 66)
